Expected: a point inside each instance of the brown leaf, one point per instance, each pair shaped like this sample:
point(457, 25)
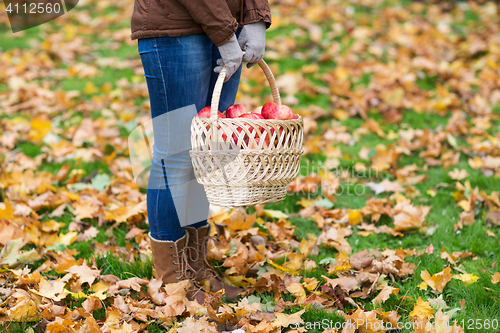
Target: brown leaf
point(493, 217)
point(385, 294)
point(361, 260)
point(346, 283)
point(154, 291)
point(91, 304)
point(335, 238)
point(202, 325)
point(85, 273)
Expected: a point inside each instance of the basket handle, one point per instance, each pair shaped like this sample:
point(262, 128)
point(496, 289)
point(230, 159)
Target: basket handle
point(220, 81)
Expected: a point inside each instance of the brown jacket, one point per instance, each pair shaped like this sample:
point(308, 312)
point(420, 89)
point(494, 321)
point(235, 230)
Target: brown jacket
point(219, 19)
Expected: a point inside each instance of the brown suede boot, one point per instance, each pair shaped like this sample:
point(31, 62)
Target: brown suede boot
point(171, 265)
point(197, 243)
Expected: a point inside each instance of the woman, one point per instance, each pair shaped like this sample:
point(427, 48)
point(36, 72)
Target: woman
point(183, 44)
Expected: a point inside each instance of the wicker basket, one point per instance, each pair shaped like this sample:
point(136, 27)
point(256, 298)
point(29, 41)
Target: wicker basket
point(244, 162)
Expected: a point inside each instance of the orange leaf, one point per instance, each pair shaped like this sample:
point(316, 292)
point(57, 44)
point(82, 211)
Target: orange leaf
point(439, 280)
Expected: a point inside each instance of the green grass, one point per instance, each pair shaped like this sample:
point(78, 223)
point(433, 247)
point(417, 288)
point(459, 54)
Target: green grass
point(118, 266)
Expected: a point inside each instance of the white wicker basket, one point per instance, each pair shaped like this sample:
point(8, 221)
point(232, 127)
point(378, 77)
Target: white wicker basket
point(244, 162)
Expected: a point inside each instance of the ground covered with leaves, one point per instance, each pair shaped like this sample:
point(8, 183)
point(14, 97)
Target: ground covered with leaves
point(394, 218)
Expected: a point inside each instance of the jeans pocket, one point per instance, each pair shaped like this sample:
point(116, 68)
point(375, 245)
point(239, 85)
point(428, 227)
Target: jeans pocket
point(147, 45)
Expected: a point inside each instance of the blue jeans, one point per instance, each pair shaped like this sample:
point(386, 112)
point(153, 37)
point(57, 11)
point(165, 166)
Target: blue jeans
point(179, 74)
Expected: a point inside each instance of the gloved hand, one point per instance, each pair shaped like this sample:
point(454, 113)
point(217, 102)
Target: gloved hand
point(231, 55)
point(253, 36)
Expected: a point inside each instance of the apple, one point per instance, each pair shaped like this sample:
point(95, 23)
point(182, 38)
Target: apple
point(282, 112)
point(256, 143)
point(236, 110)
point(257, 110)
point(249, 127)
point(294, 116)
point(268, 109)
point(251, 116)
point(280, 130)
point(276, 111)
point(205, 113)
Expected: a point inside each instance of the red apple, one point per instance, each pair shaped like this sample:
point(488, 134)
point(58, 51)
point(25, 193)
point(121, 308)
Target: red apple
point(236, 110)
point(282, 112)
point(249, 127)
point(268, 109)
point(276, 111)
point(294, 116)
point(268, 138)
point(255, 145)
point(251, 116)
point(205, 113)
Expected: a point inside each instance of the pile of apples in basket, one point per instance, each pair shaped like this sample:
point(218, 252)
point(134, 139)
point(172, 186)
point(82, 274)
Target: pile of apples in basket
point(246, 136)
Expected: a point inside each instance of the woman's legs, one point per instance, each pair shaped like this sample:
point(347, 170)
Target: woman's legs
point(180, 78)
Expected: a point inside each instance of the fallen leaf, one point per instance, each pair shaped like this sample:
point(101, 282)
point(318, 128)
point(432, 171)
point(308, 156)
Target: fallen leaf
point(457, 174)
point(439, 280)
point(468, 279)
point(85, 273)
point(495, 278)
point(422, 310)
point(385, 294)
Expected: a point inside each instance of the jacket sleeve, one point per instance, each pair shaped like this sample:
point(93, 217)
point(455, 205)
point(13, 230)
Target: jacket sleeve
point(214, 17)
point(255, 11)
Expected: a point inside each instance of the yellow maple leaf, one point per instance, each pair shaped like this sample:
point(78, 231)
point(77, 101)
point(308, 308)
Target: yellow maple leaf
point(468, 279)
point(354, 216)
point(99, 289)
point(7, 212)
point(297, 291)
point(24, 310)
point(281, 268)
point(68, 239)
point(423, 286)
point(295, 261)
point(342, 264)
point(422, 310)
point(307, 245)
point(39, 128)
point(310, 283)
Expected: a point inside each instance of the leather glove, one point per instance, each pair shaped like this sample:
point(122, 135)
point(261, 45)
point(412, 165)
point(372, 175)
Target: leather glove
point(231, 55)
point(253, 40)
